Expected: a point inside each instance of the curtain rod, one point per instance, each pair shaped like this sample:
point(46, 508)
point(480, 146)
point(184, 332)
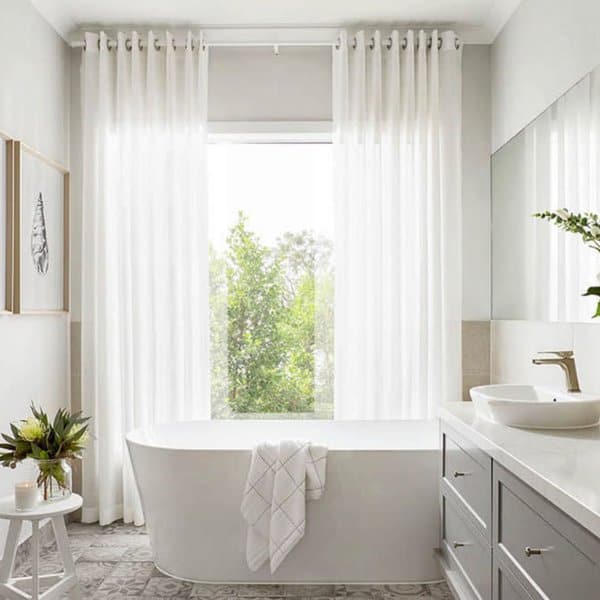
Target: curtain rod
point(387, 43)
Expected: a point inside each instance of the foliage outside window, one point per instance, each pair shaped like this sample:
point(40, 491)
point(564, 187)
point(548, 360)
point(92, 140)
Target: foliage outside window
point(271, 303)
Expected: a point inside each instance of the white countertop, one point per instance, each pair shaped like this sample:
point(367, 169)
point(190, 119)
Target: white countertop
point(563, 466)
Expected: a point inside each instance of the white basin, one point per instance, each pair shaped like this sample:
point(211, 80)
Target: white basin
point(533, 407)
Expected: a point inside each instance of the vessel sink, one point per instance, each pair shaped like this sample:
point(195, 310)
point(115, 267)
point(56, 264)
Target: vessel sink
point(533, 407)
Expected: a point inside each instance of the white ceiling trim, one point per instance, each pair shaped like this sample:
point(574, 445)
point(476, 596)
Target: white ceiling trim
point(474, 21)
point(274, 35)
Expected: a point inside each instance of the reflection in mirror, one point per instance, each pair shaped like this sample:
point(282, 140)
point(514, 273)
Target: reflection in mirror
point(539, 272)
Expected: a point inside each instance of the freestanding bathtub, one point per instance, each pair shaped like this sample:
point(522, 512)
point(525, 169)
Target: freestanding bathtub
point(378, 520)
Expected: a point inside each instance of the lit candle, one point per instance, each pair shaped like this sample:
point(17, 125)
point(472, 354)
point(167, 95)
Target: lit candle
point(26, 495)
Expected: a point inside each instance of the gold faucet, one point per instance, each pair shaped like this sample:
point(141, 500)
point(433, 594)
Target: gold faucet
point(566, 361)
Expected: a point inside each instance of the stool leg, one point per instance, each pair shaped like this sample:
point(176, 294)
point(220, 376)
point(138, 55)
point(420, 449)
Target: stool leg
point(10, 550)
point(35, 559)
point(62, 541)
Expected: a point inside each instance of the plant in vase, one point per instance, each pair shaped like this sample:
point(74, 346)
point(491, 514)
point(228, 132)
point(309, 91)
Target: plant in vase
point(51, 445)
point(587, 225)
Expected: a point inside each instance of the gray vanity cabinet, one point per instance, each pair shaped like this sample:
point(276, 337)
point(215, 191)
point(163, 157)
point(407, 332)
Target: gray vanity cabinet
point(505, 585)
point(502, 540)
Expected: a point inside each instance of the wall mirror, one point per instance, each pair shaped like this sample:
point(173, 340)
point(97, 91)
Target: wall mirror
point(540, 272)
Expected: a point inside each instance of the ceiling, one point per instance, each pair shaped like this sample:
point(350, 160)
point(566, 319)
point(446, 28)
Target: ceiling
point(477, 21)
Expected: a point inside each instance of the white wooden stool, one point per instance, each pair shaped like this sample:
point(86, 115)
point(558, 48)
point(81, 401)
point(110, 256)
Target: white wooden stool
point(59, 582)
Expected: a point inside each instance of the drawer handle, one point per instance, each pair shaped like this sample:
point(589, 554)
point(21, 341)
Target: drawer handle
point(534, 551)
point(460, 544)
point(461, 474)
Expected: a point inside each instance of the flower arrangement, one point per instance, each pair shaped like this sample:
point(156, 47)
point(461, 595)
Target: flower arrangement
point(587, 225)
point(48, 443)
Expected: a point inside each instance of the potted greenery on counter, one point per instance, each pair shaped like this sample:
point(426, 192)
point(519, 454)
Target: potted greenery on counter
point(587, 225)
point(51, 445)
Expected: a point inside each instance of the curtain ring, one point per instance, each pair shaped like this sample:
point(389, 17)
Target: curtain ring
point(98, 44)
point(156, 44)
point(338, 43)
point(389, 43)
point(372, 43)
point(456, 43)
point(404, 44)
point(204, 46)
point(429, 43)
point(84, 45)
point(354, 44)
point(140, 45)
point(128, 45)
point(439, 43)
point(108, 45)
point(173, 44)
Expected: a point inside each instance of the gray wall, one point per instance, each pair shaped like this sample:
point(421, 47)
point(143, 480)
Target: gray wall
point(34, 107)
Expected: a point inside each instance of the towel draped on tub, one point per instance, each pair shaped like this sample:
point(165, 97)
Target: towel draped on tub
point(282, 477)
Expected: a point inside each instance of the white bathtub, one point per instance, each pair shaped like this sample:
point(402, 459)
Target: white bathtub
point(378, 520)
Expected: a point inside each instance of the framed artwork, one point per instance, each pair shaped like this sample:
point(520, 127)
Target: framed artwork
point(6, 223)
point(41, 229)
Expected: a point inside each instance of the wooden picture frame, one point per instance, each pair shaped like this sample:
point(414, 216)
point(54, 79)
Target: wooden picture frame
point(6, 224)
point(34, 176)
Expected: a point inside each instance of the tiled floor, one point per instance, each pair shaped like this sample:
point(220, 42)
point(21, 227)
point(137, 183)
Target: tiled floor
point(115, 562)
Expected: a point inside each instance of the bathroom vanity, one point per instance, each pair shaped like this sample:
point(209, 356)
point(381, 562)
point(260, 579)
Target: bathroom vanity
point(520, 510)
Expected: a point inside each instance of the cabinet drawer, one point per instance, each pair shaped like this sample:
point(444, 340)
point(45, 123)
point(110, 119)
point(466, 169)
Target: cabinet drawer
point(554, 553)
point(468, 472)
point(464, 546)
point(506, 586)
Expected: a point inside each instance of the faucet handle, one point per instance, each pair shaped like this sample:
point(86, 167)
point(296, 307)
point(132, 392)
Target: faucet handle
point(559, 353)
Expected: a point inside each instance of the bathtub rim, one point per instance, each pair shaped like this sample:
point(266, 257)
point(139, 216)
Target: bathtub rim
point(135, 436)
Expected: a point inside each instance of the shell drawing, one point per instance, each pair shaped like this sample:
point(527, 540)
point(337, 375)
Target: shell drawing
point(39, 240)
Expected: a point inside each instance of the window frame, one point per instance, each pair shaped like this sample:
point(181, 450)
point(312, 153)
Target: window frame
point(271, 132)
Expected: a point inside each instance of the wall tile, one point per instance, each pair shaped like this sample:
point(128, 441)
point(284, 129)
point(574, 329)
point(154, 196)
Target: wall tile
point(475, 355)
point(587, 355)
point(515, 343)
point(476, 347)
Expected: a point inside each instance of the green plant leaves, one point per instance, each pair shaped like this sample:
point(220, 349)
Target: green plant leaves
point(594, 291)
point(63, 438)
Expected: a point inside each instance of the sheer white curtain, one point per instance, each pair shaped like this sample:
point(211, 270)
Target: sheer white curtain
point(144, 296)
point(397, 114)
point(562, 162)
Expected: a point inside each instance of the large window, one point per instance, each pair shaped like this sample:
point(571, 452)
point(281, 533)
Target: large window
point(271, 280)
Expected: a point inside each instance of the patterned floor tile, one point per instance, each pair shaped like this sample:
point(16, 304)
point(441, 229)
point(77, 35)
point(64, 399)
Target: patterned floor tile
point(138, 554)
point(104, 553)
point(115, 562)
point(403, 590)
point(126, 579)
point(216, 591)
point(121, 528)
point(166, 587)
point(121, 540)
point(440, 591)
point(309, 591)
point(260, 591)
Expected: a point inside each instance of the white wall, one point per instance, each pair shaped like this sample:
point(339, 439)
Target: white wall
point(546, 47)
point(34, 107)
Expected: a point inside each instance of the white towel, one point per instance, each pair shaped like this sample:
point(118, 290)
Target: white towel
point(281, 478)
